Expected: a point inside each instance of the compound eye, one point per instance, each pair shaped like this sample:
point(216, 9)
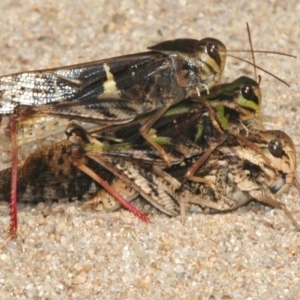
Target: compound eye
point(247, 92)
point(212, 50)
point(276, 148)
point(251, 93)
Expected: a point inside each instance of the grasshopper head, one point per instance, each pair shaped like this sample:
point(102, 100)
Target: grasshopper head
point(247, 96)
point(212, 57)
point(283, 157)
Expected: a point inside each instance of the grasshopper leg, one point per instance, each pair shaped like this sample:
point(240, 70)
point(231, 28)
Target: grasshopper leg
point(211, 113)
point(14, 179)
point(193, 169)
point(76, 154)
point(144, 131)
point(109, 189)
point(267, 199)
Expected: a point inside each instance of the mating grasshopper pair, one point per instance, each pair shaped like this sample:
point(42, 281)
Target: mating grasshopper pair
point(239, 172)
point(136, 89)
point(232, 175)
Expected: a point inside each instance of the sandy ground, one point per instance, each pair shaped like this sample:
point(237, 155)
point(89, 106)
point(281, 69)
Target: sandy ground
point(251, 253)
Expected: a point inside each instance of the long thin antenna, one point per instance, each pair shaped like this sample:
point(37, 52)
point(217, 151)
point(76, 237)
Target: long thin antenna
point(260, 68)
point(252, 52)
point(265, 52)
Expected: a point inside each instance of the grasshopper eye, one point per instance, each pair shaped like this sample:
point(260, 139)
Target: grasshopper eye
point(212, 50)
point(247, 92)
point(275, 147)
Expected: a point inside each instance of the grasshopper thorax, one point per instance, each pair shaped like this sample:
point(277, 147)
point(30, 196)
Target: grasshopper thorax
point(198, 64)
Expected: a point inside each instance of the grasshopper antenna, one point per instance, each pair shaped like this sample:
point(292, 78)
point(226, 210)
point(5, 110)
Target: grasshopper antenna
point(251, 48)
point(260, 68)
point(253, 63)
point(265, 52)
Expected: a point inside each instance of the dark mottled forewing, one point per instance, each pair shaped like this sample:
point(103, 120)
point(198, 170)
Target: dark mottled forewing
point(75, 82)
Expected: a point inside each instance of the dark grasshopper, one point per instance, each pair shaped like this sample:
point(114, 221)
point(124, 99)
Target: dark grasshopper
point(117, 90)
point(172, 69)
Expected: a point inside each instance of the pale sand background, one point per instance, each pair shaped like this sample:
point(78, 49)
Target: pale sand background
point(252, 253)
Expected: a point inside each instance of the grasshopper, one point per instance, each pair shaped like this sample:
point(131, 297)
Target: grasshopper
point(236, 175)
point(117, 90)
